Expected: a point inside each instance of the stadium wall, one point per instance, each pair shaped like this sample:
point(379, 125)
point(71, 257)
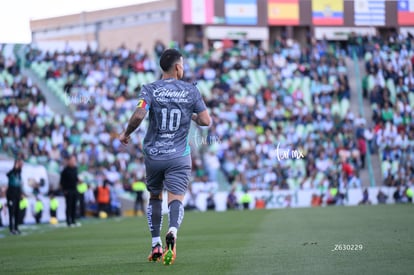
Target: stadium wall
point(291, 198)
point(164, 20)
point(29, 217)
point(30, 174)
point(275, 200)
point(109, 28)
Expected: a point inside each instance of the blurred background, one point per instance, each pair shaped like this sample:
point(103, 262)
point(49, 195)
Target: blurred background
point(312, 101)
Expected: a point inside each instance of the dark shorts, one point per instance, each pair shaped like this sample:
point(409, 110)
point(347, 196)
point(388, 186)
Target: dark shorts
point(173, 175)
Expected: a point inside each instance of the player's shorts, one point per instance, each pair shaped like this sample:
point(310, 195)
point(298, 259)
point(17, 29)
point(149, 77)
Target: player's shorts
point(173, 175)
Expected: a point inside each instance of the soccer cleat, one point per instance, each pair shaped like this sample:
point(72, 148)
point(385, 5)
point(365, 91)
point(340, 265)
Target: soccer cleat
point(170, 253)
point(156, 253)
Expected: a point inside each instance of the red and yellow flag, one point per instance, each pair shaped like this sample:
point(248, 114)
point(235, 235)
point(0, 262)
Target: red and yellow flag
point(283, 12)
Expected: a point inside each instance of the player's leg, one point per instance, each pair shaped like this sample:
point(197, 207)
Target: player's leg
point(16, 214)
point(154, 210)
point(67, 210)
point(154, 216)
point(136, 204)
point(11, 207)
point(176, 182)
point(73, 207)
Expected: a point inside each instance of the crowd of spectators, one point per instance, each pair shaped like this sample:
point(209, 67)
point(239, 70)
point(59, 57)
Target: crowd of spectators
point(281, 117)
point(302, 108)
point(21, 104)
point(389, 88)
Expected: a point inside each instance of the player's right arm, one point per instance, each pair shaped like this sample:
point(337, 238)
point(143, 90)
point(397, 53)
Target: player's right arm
point(135, 120)
point(137, 117)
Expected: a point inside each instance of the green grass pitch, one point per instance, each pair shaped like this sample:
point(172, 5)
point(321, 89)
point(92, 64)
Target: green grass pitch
point(285, 241)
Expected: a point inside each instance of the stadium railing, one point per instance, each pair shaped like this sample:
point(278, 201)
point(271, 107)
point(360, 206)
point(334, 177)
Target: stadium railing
point(362, 113)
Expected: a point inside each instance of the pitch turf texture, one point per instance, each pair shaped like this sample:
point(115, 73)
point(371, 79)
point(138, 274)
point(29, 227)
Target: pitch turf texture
point(288, 241)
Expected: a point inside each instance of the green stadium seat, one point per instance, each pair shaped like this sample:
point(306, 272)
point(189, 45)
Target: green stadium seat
point(110, 158)
point(344, 107)
point(320, 176)
point(411, 99)
point(57, 119)
point(391, 86)
point(191, 63)
point(296, 83)
point(242, 73)
point(80, 125)
point(23, 116)
point(150, 77)
point(371, 82)
point(261, 76)
point(394, 166)
point(332, 79)
point(32, 160)
point(309, 128)
point(141, 79)
point(2, 117)
point(368, 56)
point(234, 75)
point(40, 122)
point(300, 130)
point(293, 183)
point(251, 88)
point(68, 121)
point(70, 149)
point(53, 167)
point(385, 166)
point(286, 83)
point(48, 119)
point(336, 108)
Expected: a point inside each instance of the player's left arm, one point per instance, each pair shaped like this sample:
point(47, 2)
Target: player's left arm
point(134, 122)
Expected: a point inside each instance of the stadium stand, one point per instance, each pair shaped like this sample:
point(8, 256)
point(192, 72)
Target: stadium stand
point(297, 98)
point(291, 100)
point(100, 88)
point(389, 87)
point(23, 110)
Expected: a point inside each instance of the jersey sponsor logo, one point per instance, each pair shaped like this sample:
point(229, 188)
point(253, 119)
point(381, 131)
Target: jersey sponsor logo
point(162, 92)
point(155, 151)
point(167, 135)
point(164, 143)
point(165, 95)
point(175, 100)
point(167, 151)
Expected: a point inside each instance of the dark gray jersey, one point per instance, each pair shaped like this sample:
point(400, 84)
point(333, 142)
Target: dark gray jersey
point(170, 103)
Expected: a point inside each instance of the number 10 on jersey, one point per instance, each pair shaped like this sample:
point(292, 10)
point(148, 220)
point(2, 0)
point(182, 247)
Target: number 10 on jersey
point(171, 119)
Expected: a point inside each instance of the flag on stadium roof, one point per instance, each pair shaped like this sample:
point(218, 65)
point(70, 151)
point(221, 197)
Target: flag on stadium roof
point(198, 12)
point(243, 12)
point(406, 12)
point(328, 12)
point(283, 12)
point(369, 12)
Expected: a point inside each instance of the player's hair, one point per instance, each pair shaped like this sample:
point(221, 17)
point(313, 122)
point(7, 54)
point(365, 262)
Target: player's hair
point(168, 58)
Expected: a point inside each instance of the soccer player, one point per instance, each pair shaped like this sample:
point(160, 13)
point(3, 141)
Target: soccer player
point(171, 104)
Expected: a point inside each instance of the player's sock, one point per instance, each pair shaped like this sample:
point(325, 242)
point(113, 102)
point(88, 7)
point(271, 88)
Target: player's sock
point(154, 216)
point(173, 230)
point(175, 216)
point(156, 240)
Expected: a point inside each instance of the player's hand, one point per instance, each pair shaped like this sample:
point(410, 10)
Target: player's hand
point(194, 117)
point(124, 139)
